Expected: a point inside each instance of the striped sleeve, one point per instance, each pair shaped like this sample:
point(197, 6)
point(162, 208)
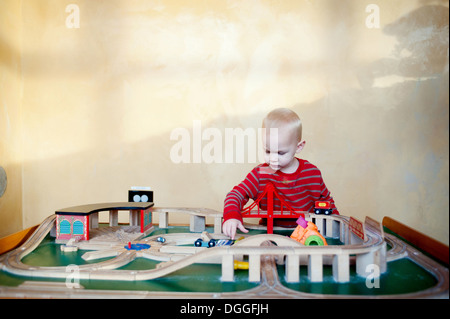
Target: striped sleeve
point(239, 196)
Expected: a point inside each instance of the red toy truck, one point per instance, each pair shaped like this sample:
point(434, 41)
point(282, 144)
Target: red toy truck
point(323, 207)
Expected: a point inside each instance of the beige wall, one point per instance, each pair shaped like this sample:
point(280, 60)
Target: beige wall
point(11, 116)
point(88, 112)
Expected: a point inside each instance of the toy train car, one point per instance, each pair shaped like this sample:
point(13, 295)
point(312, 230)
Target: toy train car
point(323, 207)
point(213, 242)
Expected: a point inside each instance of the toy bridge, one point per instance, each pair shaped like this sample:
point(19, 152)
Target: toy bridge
point(271, 192)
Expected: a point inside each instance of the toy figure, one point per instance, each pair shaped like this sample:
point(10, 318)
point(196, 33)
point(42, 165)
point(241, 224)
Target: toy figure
point(307, 234)
point(161, 239)
point(213, 242)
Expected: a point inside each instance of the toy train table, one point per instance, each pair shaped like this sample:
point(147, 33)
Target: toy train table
point(72, 255)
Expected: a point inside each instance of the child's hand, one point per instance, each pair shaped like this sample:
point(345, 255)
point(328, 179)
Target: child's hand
point(230, 226)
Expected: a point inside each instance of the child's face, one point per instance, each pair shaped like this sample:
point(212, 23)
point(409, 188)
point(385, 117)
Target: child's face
point(280, 146)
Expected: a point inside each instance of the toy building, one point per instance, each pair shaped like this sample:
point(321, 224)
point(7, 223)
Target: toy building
point(76, 222)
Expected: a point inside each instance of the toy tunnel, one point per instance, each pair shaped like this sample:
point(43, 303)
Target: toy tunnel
point(314, 240)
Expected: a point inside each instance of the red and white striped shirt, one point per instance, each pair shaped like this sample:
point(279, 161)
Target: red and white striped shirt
point(300, 189)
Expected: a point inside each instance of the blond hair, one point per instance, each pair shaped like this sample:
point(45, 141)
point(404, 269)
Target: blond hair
point(286, 118)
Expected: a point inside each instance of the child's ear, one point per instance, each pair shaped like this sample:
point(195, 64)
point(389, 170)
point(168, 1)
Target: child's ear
point(300, 146)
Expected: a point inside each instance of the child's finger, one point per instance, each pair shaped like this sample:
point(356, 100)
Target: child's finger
point(242, 228)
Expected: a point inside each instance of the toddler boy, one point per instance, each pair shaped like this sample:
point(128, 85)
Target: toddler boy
point(297, 180)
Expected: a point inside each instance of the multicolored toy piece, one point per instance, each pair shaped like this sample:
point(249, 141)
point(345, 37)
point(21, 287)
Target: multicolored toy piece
point(161, 240)
point(309, 235)
point(213, 242)
point(78, 221)
point(323, 207)
point(240, 264)
point(136, 246)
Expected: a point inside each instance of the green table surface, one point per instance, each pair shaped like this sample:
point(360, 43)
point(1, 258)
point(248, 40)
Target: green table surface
point(402, 276)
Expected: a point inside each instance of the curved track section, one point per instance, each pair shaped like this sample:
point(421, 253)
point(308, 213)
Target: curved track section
point(106, 270)
point(258, 245)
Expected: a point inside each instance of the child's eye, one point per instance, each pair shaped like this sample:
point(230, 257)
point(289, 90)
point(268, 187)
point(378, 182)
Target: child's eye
point(281, 153)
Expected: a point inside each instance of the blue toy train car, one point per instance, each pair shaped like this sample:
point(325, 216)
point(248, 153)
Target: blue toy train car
point(213, 242)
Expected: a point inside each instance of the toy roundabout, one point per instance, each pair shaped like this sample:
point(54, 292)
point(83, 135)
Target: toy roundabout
point(355, 250)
